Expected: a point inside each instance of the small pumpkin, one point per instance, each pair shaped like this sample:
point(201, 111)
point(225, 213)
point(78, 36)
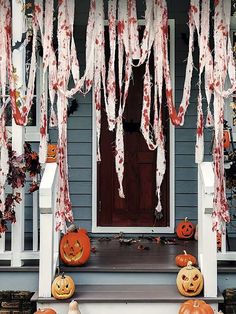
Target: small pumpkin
point(226, 139)
point(45, 311)
point(196, 232)
point(185, 229)
point(63, 287)
point(75, 247)
point(74, 308)
point(182, 260)
point(189, 281)
point(52, 153)
point(196, 307)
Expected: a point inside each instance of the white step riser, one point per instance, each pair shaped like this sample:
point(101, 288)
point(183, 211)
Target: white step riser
point(118, 308)
point(29, 280)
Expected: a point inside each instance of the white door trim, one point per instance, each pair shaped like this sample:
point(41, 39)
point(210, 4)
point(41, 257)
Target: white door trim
point(170, 228)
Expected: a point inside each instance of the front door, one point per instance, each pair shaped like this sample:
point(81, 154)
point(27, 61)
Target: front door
point(137, 209)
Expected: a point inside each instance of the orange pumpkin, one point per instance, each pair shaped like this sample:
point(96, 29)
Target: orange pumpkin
point(226, 139)
point(52, 153)
point(182, 260)
point(196, 307)
point(185, 229)
point(75, 248)
point(45, 311)
point(63, 287)
point(189, 281)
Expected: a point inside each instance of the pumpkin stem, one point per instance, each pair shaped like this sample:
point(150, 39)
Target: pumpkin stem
point(186, 219)
point(58, 270)
point(63, 275)
point(195, 303)
point(185, 253)
point(72, 228)
point(189, 265)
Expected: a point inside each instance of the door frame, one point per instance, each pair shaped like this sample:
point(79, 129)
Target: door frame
point(170, 228)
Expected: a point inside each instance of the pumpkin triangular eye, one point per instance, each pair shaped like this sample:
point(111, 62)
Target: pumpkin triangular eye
point(184, 278)
point(66, 244)
point(195, 277)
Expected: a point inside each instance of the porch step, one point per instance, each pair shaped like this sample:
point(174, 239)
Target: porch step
point(125, 299)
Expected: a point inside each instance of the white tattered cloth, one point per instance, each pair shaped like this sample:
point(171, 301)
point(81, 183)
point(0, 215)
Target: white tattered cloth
point(131, 53)
point(4, 24)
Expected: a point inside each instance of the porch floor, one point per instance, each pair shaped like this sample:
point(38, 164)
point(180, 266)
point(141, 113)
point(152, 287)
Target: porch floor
point(142, 254)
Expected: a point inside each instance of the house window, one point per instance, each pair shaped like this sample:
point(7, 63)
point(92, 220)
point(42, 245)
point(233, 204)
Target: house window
point(32, 130)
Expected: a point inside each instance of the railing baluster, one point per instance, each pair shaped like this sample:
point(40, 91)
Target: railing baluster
point(35, 221)
point(2, 243)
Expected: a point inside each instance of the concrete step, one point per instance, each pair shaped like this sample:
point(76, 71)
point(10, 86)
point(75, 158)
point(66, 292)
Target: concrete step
point(125, 299)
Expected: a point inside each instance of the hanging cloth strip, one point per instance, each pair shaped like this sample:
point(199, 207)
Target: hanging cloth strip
point(5, 24)
point(64, 35)
point(111, 77)
point(221, 36)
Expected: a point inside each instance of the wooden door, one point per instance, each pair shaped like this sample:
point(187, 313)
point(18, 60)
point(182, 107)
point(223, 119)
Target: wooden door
point(138, 207)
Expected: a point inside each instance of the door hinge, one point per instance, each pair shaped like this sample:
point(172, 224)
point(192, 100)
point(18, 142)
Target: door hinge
point(100, 206)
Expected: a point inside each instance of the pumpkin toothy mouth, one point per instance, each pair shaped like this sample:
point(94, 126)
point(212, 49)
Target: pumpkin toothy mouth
point(191, 290)
point(71, 257)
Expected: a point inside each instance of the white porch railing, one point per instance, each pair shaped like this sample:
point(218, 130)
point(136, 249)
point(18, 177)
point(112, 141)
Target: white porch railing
point(17, 254)
point(207, 248)
point(49, 238)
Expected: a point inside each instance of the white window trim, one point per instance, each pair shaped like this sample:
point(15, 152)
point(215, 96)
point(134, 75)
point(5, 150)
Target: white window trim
point(170, 228)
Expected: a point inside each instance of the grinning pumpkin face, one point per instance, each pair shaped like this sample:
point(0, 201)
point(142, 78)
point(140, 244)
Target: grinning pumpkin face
point(189, 281)
point(75, 248)
point(52, 153)
point(185, 229)
point(63, 287)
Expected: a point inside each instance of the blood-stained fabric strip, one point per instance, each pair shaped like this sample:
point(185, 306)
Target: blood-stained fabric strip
point(133, 30)
point(220, 213)
point(5, 24)
point(64, 211)
point(111, 77)
point(178, 118)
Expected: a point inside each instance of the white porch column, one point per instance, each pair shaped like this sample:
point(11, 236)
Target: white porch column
point(18, 132)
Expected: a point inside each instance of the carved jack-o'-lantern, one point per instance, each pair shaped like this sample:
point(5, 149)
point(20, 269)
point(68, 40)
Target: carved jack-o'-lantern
point(75, 248)
point(63, 287)
point(185, 229)
point(189, 281)
point(52, 153)
point(196, 307)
